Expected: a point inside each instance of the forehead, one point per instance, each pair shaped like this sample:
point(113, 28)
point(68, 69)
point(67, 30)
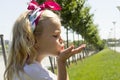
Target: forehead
point(52, 25)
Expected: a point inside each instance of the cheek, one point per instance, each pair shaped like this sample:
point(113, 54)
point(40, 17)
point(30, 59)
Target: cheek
point(55, 45)
point(52, 44)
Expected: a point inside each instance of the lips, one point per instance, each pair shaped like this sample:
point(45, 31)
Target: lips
point(62, 46)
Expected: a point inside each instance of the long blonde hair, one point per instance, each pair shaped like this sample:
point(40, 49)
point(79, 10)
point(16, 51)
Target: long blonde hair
point(22, 49)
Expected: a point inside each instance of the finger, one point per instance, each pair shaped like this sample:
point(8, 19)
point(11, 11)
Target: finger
point(83, 45)
point(77, 50)
point(68, 50)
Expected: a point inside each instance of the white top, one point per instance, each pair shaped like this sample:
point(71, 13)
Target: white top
point(37, 72)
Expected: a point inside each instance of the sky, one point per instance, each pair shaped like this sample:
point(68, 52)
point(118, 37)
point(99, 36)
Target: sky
point(105, 13)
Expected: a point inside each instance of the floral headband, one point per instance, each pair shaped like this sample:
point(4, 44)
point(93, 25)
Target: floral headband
point(38, 9)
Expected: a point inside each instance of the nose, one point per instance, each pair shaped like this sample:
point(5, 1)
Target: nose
point(61, 40)
point(62, 43)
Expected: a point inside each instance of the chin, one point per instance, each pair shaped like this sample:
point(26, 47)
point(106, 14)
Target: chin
point(56, 53)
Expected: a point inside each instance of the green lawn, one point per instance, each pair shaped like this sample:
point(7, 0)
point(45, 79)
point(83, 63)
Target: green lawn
point(102, 66)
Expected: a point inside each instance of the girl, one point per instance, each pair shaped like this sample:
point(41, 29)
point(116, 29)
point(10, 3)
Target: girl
point(36, 34)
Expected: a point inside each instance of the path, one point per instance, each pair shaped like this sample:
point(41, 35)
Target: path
point(2, 67)
point(117, 48)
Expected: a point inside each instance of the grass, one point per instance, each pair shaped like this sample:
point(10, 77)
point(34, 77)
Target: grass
point(102, 66)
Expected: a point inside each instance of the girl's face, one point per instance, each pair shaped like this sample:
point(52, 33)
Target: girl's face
point(50, 41)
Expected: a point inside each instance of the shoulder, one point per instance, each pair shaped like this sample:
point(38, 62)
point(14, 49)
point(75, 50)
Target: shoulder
point(37, 72)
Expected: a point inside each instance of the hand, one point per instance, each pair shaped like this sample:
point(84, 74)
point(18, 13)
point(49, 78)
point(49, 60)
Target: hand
point(65, 54)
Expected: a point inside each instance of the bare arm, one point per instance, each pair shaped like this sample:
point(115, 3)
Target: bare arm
point(62, 73)
point(61, 60)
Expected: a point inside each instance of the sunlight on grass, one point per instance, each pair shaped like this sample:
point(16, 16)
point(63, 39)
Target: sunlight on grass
point(104, 65)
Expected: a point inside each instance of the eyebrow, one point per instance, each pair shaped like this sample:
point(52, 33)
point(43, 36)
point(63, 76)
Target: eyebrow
point(57, 31)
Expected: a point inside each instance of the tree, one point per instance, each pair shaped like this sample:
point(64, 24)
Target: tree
point(75, 15)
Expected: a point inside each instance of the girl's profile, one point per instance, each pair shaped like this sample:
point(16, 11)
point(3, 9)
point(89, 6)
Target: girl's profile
point(36, 34)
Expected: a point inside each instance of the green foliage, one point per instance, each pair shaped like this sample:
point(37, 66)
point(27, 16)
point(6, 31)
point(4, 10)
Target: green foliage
point(75, 15)
point(0, 47)
point(101, 66)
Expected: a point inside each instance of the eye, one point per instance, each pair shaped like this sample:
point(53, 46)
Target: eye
point(56, 36)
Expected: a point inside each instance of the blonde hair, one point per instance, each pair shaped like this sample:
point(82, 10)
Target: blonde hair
point(23, 50)
point(46, 15)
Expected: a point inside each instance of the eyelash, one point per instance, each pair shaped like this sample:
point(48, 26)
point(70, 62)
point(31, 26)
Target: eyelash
point(56, 36)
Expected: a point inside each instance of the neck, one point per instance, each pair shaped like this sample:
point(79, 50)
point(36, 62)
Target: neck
point(40, 57)
point(40, 54)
